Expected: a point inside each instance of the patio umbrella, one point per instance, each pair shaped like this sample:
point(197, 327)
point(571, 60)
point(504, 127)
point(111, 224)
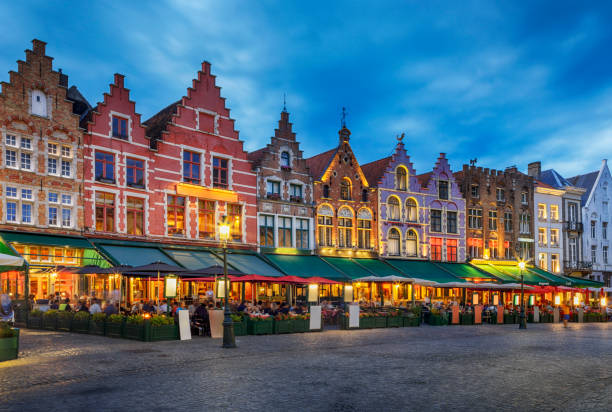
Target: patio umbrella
point(323, 281)
point(10, 260)
point(370, 278)
point(255, 278)
point(394, 278)
point(155, 267)
point(291, 279)
point(424, 282)
point(215, 270)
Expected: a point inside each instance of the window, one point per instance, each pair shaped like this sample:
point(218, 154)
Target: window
point(176, 215)
point(57, 210)
point(475, 218)
point(451, 250)
point(436, 220)
point(26, 161)
point(26, 143)
point(206, 219)
point(475, 247)
point(11, 140)
point(554, 237)
point(295, 192)
point(492, 219)
point(285, 160)
point(66, 217)
point(52, 166)
point(39, 103)
point(345, 232)
point(524, 223)
point(66, 168)
point(451, 222)
point(10, 158)
point(364, 228)
point(573, 212)
point(542, 261)
point(120, 127)
point(234, 218)
point(500, 195)
point(475, 191)
point(134, 169)
point(393, 243)
point(593, 229)
point(554, 212)
point(508, 222)
point(19, 207)
point(411, 210)
point(66, 151)
point(542, 236)
point(524, 198)
point(541, 211)
point(605, 254)
point(400, 178)
point(273, 190)
point(325, 230)
point(302, 236)
point(443, 189)
point(508, 249)
point(105, 212)
point(411, 243)
point(436, 248)
point(191, 167)
point(135, 216)
point(345, 189)
point(555, 264)
point(364, 195)
point(59, 160)
point(220, 173)
point(604, 230)
point(393, 208)
point(21, 156)
point(493, 249)
point(326, 191)
point(594, 254)
point(105, 167)
point(572, 249)
point(53, 208)
point(284, 232)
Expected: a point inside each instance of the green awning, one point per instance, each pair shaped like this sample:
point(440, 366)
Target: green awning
point(511, 273)
point(556, 280)
point(378, 267)
point(348, 267)
point(306, 266)
point(252, 264)
point(584, 283)
point(134, 255)
point(193, 259)
point(464, 271)
point(423, 270)
point(493, 270)
point(76, 242)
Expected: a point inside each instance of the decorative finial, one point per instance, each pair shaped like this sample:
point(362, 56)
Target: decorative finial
point(473, 161)
point(400, 137)
point(284, 102)
point(343, 119)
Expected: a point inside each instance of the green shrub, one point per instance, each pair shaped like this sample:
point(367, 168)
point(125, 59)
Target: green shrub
point(134, 319)
point(65, 315)
point(6, 331)
point(236, 317)
point(115, 318)
point(50, 313)
point(36, 313)
point(81, 315)
point(162, 320)
point(99, 317)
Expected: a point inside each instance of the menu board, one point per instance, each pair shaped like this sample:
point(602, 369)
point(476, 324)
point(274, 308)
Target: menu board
point(315, 317)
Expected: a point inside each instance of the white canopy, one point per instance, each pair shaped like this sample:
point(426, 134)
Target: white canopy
point(424, 282)
point(390, 278)
point(370, 278)
point(8, 260)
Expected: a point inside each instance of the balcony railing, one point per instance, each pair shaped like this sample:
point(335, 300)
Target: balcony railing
point(573, 226)
point(295, 199)
point(273, 196)
point(574, 265)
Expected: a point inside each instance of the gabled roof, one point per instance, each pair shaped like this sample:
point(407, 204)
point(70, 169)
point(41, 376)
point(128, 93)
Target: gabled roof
point(553, 178)
point(157, 123)
point(375, 170)
point(539, 183)
point(424, 178)
point(256, 156)
point(318, 164)
point(80, 105)
point(585, 181)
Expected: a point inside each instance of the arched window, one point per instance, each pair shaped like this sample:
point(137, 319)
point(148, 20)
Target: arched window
point(393, 242)
point(345, 227)
point(324, 225)
point(345, 189)
point(411, 243)
point(400, 178)
point(326, 191)
point(39, 103)
point(393, 208)
point(285, 159)
point(411, 210)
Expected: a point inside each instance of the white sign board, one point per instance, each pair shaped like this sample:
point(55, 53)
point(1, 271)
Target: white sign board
point(353, 315)
point(556, 315)
point(184, 327)
point(315, 317)
point(216, 323)
point(536, 314)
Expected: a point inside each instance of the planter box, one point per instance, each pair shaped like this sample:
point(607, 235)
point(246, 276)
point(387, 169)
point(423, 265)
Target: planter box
point(9, 347)
point(49, 322)
point(260, 327)
point(510, 318)
point(436, 320)
point(410, 321)
point(380, 321)
point(134, 331)
point(97, 328)
point(80, 325)
point(303, 325)
point(35, 322)
point(113, 329)
point(466, 318)
point(282, 326)
point(240, 328)
point(163, 332)
point(64, 323)
point(21, 315)
point(394, 322)
point(366, 323)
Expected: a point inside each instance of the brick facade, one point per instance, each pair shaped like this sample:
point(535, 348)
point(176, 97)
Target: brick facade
point(284, 192)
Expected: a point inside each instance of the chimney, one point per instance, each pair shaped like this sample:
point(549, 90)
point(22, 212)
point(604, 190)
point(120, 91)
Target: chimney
point(534, 169)
point(119, 80)
point(38, 47)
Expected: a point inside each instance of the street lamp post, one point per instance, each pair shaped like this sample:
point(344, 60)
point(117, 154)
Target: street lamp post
point(229, 340)
point(523, 320)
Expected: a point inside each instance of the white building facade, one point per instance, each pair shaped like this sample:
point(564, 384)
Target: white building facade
point(548, 203)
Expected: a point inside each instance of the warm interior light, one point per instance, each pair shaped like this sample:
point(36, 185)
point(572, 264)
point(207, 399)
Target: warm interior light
point(558, 300)
point(313, 292)
point(224, 231)
point(495, 299)
point(475, 299)
point(603, 301)
point(348, 293)
point(576, 300)
point(146, 315)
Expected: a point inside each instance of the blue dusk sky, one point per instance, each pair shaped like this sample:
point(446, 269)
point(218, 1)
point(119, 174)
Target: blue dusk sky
point(505, 82)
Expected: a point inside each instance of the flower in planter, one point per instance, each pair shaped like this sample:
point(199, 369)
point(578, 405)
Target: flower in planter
point(115, 318)
point(134, 319)
point(99, 317)
point(50, 313)
point(81, 315)
point(161, 320)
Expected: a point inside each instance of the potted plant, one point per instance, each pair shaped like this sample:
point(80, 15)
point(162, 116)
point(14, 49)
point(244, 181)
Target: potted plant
point(35, 319)
point(162, 328)
point(259, 325)
point(240, 325)
point(64, 320)
point(114, 326)
point(50, 319)
point(134, 327)
point(394, 319)
point(466, 318)
point(301, 323)
point(97, 324)
point(9, 342)
point(412, 317)
point(366, 320)
point(436, 318)
point(80, 322)
point(281, 324)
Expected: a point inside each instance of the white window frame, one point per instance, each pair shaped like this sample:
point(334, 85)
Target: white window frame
point(19, 201)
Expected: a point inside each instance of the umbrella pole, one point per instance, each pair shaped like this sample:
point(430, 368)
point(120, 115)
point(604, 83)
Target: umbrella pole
point(157, 291)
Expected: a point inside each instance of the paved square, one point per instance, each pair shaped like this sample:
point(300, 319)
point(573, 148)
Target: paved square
point(428, 368)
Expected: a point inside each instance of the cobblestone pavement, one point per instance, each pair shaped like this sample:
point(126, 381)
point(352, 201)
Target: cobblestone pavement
point(485, 367)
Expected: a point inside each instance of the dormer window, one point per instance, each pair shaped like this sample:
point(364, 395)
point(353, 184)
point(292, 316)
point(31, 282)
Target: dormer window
point(285, 160)
point(400, 178)
point(39, 103)
point(345, 189)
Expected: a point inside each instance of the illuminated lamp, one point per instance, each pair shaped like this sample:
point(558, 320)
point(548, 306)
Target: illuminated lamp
point(313, 292)
point(348, 293)
point(557, 300)
point(495, 299)
point(475, 299)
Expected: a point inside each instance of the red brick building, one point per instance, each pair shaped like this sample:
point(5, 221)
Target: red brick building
point(344, 202)
point(284, 192)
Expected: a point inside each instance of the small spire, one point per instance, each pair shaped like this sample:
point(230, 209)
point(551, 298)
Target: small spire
point(285, 102)
point(343, 118)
